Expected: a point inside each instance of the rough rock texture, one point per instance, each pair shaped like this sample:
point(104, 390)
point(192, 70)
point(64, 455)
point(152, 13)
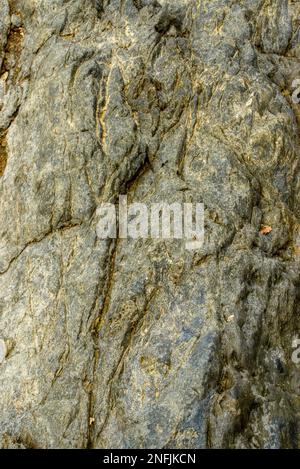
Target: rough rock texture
point(144, 344)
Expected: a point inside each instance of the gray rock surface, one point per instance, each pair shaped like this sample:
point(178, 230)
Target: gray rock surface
point(142, 343)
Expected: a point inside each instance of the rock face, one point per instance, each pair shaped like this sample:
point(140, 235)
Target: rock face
point(142, 343)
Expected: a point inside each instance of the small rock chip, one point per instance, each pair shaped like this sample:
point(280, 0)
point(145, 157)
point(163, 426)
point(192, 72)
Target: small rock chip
point(3, 350)
point(265, 229)
point(4, 76)
point(230, 318)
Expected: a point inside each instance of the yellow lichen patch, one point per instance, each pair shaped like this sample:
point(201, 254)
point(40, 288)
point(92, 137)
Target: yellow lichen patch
point(3, 153)
point(12, 52)
point(297, 250)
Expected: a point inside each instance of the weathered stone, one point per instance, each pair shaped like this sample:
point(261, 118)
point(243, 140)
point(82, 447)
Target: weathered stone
point(143, 343)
